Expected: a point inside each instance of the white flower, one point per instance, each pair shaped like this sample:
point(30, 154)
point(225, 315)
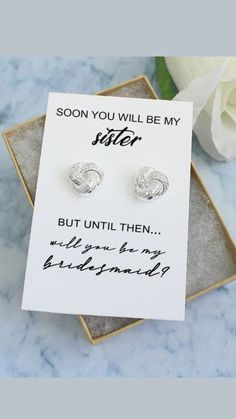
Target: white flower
point(210, 83)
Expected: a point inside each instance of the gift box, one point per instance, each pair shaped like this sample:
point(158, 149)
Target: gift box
point(208, 237)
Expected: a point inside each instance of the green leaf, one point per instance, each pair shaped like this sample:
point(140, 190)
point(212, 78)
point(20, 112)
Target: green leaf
point(167, 87)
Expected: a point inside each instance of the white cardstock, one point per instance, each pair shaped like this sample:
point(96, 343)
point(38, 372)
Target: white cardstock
point(109, 253)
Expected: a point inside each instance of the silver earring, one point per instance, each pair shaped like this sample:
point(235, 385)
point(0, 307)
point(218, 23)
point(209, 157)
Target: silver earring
point(85, 177)
point(150, 183)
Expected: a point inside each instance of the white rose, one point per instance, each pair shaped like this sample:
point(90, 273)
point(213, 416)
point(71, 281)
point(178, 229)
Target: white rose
point(210, 83)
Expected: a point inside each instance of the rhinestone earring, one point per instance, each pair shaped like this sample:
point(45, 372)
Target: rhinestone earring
point(85, 177)
point(150, 183)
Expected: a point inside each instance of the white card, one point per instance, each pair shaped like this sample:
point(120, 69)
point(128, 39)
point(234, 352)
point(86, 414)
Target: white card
point(109, 253)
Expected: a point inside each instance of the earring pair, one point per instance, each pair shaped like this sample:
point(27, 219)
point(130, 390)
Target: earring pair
point(149, 183)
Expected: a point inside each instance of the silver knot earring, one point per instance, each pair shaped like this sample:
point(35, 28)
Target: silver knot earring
point(150, 183)
point(85, 177)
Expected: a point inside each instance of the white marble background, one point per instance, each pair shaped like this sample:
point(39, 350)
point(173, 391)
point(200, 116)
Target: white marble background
point(39, 344)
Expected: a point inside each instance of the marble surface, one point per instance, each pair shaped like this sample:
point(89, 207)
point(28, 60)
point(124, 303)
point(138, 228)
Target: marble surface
point(40, 344)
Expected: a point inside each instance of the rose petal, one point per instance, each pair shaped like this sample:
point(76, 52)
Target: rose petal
point(184, 69)
point(223, 129)
point(201, 88)
point(211, 84)
point(203, 131)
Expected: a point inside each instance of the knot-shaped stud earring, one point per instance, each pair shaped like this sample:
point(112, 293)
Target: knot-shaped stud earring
point(85, 177)
point(150, 183)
